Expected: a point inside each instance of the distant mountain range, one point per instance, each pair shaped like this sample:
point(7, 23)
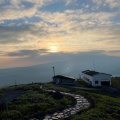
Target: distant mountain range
point(19, 75)
point(44, 72)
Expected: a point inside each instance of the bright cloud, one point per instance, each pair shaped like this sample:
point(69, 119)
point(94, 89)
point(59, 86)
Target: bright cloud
point(110, 3)
point(16, 9)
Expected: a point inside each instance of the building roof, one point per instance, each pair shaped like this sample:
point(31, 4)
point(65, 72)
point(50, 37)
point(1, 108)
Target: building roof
point(92, 73)
point(66, 77)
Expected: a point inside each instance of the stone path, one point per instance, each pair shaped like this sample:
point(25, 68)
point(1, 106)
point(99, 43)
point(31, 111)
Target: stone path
point(81, 104)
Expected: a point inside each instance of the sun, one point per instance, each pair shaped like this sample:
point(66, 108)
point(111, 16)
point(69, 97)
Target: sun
point(53, 48)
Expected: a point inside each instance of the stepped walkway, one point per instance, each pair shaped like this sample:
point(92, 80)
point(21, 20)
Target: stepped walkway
point(81, 103)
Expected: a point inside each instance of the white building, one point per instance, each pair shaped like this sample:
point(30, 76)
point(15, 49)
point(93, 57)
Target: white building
point(96, 79)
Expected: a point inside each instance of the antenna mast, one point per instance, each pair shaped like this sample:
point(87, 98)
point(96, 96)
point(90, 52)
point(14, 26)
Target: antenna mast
point(53, 70)
point(93, 65)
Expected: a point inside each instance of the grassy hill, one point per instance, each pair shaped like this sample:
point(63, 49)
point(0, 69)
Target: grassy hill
point(34, 102)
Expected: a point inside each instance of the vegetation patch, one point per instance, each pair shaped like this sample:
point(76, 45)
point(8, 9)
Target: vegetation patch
point(81, 83)
point(1, 93)
point(116, 82)
point(34, 102)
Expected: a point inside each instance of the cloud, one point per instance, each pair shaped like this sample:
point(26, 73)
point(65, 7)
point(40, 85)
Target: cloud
point(2, 1)
point(14, 14)
point(65, 60)
point(68, 2)
point(13, 34)
point(113, 3)
point(76, 15)
point(16, 9)
point(113, 53)
point(79, 29)
point(109, 3)
point(28, 53)
point(74, 20)
point(7, 41)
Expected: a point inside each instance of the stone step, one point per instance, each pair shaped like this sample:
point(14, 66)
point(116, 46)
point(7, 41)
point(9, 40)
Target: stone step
point(82, 103)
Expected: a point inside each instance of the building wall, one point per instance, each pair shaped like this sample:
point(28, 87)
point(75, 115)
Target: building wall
point(87, 78)
point(96, 79)
point(56, 80)
point(67, 81)
point(101, 78)
point(63, 81)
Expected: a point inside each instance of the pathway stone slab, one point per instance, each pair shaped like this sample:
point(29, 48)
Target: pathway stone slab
point(81, 103)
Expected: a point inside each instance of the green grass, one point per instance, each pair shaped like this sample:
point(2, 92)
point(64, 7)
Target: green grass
point(34, 86)
point(106, 108)
point(81, 83)
point(51, 86)
point(116, 82)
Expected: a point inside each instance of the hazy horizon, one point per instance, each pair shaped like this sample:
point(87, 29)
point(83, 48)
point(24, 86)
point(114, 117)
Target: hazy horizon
point(72, 65)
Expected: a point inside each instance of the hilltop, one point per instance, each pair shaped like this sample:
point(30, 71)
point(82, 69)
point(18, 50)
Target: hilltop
point(32, 102)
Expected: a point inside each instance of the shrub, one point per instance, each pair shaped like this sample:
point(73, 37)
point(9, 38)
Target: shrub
point(11, 114)
point(57, 95)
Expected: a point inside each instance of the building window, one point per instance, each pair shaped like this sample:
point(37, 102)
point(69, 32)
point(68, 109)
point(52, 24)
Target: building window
point(96, 82)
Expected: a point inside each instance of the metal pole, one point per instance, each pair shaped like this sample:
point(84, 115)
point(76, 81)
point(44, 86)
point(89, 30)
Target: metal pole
point(53, 70)
point(94, 65)
point(79, 76)
point(15, 82)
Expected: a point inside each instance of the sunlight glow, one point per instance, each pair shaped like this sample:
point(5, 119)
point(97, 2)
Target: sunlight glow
point(53, 48)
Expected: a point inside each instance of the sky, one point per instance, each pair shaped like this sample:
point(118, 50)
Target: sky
point(45, 31)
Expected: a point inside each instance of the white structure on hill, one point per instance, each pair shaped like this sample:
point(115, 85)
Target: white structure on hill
point(96, 79)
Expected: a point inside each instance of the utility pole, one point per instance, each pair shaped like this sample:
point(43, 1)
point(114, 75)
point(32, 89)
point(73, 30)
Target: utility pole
point(79, 76)
point(93, 65)
point(15, 82)
point(53, 70)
